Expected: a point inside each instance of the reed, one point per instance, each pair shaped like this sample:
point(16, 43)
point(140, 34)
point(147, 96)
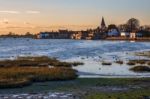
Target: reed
point(21, 76)
point(41, 61)
point(140, 69)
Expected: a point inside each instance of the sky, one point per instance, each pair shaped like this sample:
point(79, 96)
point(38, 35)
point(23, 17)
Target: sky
point(21, 16)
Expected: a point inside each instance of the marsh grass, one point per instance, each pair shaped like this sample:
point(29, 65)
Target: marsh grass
point(145, 53)
point(41, 61)
point(21, 76)
point(119, 62)
point(140, 69)
point(106, 63)
point(131, 63)
point(141, 61)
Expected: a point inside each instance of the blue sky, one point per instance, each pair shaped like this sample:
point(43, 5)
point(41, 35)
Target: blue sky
point(40, 15)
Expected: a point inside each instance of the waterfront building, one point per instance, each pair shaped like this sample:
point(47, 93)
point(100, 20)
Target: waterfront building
point(125, 34)
point(43, 35)
point(131, 35)
point(91, 34)
point(113, 33)
point(134, 35)
point(77, 35)
point(61, 34)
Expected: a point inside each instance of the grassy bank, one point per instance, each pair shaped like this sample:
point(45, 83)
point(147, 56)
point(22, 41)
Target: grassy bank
point(24, 71)
point(41, 61)
point(140, 69)
point(140, 61)
point(21, 76)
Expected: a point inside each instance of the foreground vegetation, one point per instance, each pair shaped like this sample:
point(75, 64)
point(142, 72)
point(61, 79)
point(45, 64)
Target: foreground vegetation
point(22, 76)
point(92, 88)
point(140, 61)
point(24, 71)
point(140, 69)
point(132, 94)
point(53, 74)
point(145, 53)
point(41, 61)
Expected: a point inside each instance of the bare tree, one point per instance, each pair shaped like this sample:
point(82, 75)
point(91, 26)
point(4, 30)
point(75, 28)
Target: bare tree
point(123, 27)
point(133, 24)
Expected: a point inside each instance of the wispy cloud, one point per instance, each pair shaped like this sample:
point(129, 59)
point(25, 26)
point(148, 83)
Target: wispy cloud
point(9, 12)
point(4, 21)
point(26, 23)
point(32, 12)
point(18, 12)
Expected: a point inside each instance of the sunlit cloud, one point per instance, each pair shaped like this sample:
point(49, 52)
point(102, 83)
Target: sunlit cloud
point(4, 21)
point(26, 23)
point(9, 12)
point(32, 12)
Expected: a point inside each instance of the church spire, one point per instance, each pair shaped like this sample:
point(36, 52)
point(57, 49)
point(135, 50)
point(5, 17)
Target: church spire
point(103, 25)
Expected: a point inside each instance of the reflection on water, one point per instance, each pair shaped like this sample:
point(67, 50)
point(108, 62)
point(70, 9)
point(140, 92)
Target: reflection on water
point(92, 53)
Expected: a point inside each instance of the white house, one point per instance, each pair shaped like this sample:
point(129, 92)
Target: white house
point(135, 35)
point(125, 34)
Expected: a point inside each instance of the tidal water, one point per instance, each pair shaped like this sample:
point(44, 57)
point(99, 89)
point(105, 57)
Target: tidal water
point(92, 53)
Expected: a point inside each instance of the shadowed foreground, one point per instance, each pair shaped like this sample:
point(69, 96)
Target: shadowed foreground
point(89, 88)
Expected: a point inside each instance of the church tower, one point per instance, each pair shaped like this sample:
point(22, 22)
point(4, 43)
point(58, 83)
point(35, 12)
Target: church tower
point(103, 25)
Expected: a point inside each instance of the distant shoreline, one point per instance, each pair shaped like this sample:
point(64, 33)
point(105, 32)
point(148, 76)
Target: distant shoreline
point(128, 39)
point(144, 39)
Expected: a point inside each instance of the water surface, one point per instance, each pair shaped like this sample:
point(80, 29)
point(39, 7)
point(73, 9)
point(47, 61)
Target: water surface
point(92, 53)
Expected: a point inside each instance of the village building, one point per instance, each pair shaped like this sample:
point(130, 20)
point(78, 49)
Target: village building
point(134, 35)
point(94, 34)
point(61, 34)
point(77, 35)
point(125, 34)
point(91, 34)
point(113, 33)
point(131, 35)
point(43, 35)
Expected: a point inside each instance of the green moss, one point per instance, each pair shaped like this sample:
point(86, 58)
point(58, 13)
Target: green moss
point(132, 94)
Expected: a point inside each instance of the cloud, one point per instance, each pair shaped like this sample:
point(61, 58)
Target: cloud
point(4, 21)
point(26, 23)
point(18, 12)
point(10, 12)
point(18, 27)
point(32, 12)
